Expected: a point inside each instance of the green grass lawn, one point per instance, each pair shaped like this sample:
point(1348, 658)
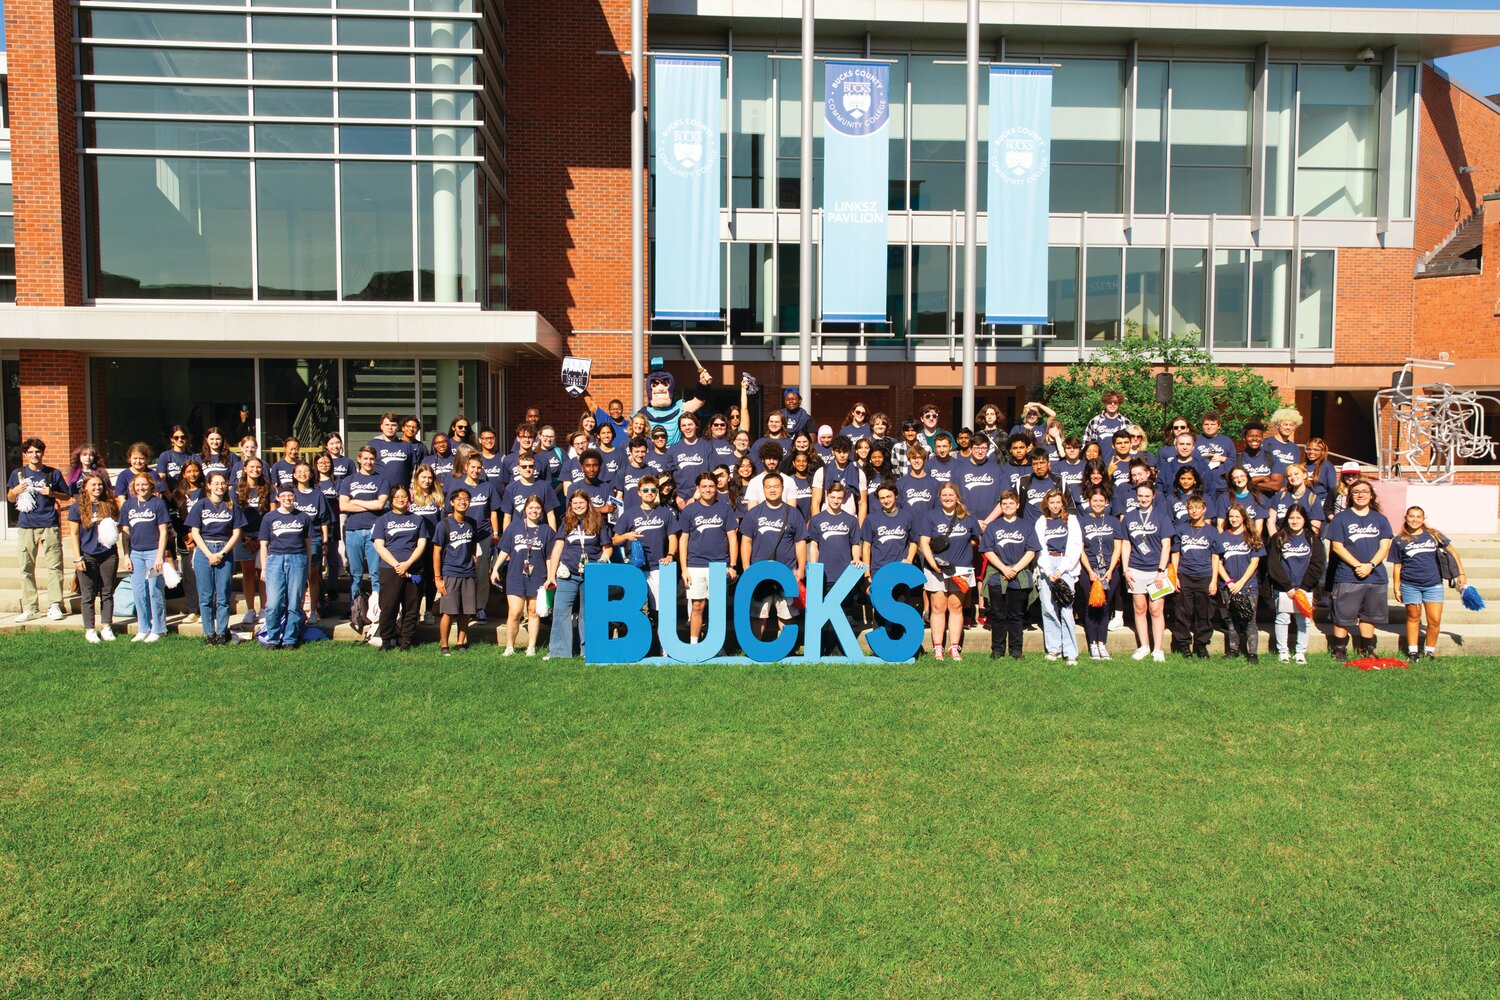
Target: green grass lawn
point(177, 821)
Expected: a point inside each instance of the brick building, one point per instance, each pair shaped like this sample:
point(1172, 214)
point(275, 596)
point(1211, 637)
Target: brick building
point(422, 205)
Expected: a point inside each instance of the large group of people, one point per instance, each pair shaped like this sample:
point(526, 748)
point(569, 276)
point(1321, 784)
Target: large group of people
point(1198, 535)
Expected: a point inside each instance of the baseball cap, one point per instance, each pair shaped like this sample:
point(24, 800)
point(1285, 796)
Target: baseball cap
point(1350, 467)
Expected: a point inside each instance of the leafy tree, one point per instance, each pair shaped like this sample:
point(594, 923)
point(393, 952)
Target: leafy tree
point(1130, 365)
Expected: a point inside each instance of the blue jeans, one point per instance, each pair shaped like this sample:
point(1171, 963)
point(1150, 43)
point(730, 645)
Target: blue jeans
point(214, 583)
point(565, 608)
point(332, 564)
point(286, 579)
point(360, 548)
point(150, 594)
point(1057, 623)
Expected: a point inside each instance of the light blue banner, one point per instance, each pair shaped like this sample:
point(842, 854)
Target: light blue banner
point(856, 186)
point(688, 127)
point(1020, 146)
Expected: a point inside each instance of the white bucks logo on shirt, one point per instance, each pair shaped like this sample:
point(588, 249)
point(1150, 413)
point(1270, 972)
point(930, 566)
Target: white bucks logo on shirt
point(1195, 543)
point(1355, 532)
point(280, 527)
point(709, 523)
point(142, 515)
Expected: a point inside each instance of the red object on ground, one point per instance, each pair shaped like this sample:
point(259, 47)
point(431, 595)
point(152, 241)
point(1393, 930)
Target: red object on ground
point(1378, 663)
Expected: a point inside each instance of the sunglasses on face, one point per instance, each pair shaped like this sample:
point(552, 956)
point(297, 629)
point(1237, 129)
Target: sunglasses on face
point(648, 489)
point(462, 427)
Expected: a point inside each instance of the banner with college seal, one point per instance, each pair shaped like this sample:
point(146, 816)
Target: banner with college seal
point(856, 185)
point(688, 127)
point(1020, 144)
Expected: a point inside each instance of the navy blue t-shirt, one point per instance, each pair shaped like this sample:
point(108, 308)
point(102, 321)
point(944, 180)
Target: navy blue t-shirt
point(482, 500)
point(216, 521)
point(979, 485)
point(918, 494)
point(44, 514)
point(1263, 463)
point(1099, 536)
point(962, 532)
point(143, 519)
point(517, 493)
point(1010, 540)
point(442, 465)
point(88, 538)
point(400, 533)
point(890, 535)
point(1296, 553)
point(1147, 532)
point(706, 528)
point(1236, 554)
point(126, 476)
point(169, 465)
point(287, 533)
point(1287, 453)
point(365, 488)
point(655, 525)
point(312, 503)
point(459, 543)
point(1195, 548)
point(1417, 557)
point(580, 546)
point(215, 462)
point(396, 461)
point(691, 459)
point(774, 533)
point(836, 535)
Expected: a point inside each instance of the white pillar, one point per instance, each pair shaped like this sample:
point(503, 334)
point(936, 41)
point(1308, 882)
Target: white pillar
point(637, 209)
point(804, 263)
point(445, 208)
point(971, 209)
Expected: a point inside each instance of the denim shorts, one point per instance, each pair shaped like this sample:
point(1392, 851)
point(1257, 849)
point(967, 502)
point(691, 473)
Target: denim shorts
point(1411, 593)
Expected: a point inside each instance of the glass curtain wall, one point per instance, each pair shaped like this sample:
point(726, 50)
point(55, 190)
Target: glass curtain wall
point(372, 122)
point(1088, 158)
point(1338, 141)
point(7, 233)
point(1210, 150)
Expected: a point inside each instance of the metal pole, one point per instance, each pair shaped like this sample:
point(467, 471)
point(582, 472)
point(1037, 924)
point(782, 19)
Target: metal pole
point(971, 207)
point(637, 208)
point(804, 263)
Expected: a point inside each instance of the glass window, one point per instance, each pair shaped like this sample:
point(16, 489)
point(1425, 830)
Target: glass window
point(298, 398)
point(1088, 100)
point(164, 27)
point(293, 66)
point(446, 193)
point(1101, 303)
point(190, 136)
point(374, 69)
point(1062, 293)
point(372, 388)
point(7, 227)
point(1270, 292)
point(294, 229)
point(1281, 105)
point(445, 142)
point(1189, 294)
point(373, 5)
point(375, 140)
point(204, 64)
point(174, 228)
point(1406, 85)
point(752, 284)
point(377, 231)
point(1151, 138)
point(139, 399)
point(930, 281)
point(752, 112)
point(1143, 291)
point(449, 389)
point(444, 69)
point(1315, 300)
point(1338, 141)
point(937, 137)
point(148, 98)
point(288, 102)
point(292, 30)
point(294, 138)
point(309, 4)
point(1210, 138)
point(1231, 298)
point(451, 35)
point(446, 6)
point(374, 31)
point(374, 104)
point(436, 105)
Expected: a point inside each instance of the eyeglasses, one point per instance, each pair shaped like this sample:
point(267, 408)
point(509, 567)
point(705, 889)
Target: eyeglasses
point(648, 489)
point(929, 416)
point(461, 427)
point(859, 413)
point(717, 423)
point(1137, 437)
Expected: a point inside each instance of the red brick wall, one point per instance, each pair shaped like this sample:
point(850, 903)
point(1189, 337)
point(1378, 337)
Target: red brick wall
point(1456, 314)
point(1456, 131)
point(54, 404)
point(1376, 306)
point(569, 185)
point(43, 136)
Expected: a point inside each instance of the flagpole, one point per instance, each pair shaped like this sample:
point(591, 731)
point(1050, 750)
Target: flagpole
point(971, 207)
point(637, 208)
point(805, 245)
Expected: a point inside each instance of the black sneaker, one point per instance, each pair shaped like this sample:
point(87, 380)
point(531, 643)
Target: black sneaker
point(1253, 657)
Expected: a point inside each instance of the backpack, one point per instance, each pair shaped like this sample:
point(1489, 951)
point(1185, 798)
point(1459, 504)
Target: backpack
point(359, 609)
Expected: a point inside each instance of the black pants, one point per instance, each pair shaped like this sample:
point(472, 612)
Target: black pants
point(1193, 628)
point(1007, 618)
point(1096, 620)
point(96, 581)
point(398, 592)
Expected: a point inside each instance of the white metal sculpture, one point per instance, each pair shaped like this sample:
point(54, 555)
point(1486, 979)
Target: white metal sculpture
point(1423, 430)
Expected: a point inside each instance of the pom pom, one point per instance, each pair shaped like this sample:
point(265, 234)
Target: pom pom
point(1472, 600)
point(26, 502)
point(108, 530)
point(1303, 603)
point(170, 574)
point(1096, 594)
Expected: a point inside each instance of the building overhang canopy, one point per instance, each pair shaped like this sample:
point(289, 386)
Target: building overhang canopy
point(335, 331)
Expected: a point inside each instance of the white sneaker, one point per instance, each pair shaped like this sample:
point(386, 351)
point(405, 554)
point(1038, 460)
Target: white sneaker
point(1053, 656)
point(1284, 657)
point(1141, 654)
point(530, 650)
point(1301, 657)
point(152, 637)
point(139, 636)
point(1159, 656)
point(1117, 623)
point(26, 616)
point(1104, 652)
point(1072, 661)
point(56, 613)
point(509, 651)
point(90, 635)
point(192, 619)
point(107, 634)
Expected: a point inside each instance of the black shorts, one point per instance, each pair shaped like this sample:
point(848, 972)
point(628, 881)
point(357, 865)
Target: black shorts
point(1358, 601)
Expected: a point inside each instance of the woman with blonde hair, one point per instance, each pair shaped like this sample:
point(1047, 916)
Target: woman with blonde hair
point(1417, 578)
point(1284, 423)
point(98, 557)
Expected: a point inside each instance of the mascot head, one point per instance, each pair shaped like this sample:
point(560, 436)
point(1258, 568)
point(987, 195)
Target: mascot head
point(659, 389)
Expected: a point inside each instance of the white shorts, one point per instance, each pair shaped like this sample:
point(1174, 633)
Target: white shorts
point(1141, 581)
point(773, 603)
point(944, 585)
point(697, 583)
